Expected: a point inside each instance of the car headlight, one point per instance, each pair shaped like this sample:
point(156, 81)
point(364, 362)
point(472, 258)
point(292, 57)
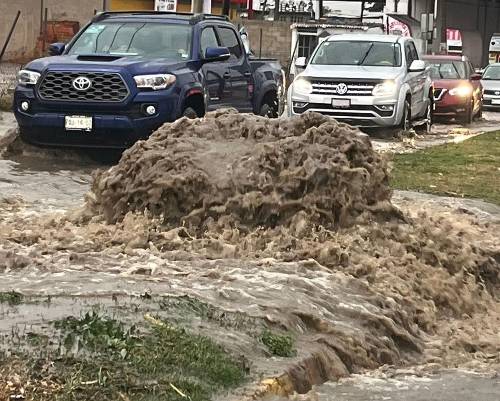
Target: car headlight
point(462, 91)
point(387, 88)
point(27, 77)
point(155, 82)
point(302, 86)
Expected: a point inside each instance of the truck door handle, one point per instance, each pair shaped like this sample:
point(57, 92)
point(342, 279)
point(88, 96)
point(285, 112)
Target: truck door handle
point(247, 74)
point(227, 75)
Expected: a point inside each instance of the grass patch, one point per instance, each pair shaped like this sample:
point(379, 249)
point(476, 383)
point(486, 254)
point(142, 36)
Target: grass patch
point(100, 359)
point(11, 298)
point(469, 169)
point(277, 344)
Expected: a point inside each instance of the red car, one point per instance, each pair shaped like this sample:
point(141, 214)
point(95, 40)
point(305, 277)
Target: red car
point(457, 88)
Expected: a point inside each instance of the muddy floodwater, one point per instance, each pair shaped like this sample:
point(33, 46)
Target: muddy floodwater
point(236, 225)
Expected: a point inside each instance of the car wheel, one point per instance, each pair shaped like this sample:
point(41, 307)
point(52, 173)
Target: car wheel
point(190, 113)
point(405, 123)
point(469, 114)
point(269, 109)
point(427, 127)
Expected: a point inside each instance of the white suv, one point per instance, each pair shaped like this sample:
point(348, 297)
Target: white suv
point(365, 80)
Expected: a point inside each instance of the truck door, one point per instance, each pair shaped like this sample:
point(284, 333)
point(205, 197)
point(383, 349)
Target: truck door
point(416, 81)
point(218, 88)
point(238, 70)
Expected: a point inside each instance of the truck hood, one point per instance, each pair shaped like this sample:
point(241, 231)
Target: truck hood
point(351, 72)
point(490, 84)
point(134, 65)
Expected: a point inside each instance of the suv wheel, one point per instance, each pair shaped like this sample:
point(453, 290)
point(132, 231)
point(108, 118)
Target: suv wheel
point(405, 124)
point(190, 113)
point(269, 108)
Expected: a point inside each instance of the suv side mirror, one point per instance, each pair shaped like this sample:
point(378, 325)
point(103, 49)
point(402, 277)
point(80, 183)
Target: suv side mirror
point(417, 66)
point(217, 54)
point(56, 49)
point(300, 62)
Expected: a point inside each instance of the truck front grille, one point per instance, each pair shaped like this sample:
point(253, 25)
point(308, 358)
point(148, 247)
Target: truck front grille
point(327, 87)
point(104, 87)
point(492, 92)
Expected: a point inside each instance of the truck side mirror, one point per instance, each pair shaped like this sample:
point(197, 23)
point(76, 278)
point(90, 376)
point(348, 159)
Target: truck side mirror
point(56, 49)
point(300, 62)
point(217, 54)
point(417, 66)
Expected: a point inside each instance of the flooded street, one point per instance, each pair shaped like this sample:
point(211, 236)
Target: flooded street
point(402, 281)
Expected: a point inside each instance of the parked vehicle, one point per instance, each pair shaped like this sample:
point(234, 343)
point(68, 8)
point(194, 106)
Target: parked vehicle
point(490, 82)
point(125, 74)
point(457, 88)
point(365, 80)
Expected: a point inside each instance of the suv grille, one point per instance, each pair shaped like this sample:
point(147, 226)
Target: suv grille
point(105, 87)
point(492, 92)
point(323, 87)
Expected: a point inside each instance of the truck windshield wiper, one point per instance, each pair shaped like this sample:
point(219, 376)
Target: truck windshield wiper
point(366, 54)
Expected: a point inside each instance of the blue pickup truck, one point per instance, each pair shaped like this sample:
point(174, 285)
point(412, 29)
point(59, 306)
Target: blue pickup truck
point(126, 73)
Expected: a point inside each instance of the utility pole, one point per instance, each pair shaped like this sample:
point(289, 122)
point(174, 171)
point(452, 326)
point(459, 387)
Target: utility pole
point(196, 6)
point(226, 5)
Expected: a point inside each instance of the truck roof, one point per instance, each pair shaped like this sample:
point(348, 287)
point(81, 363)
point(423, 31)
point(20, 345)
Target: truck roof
point(365, 37)
point(158, 15)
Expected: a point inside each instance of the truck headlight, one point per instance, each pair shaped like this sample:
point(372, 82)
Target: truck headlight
point(155, 82)
point(386, 88)
point(302, 86)
point(27, 77)
point(462, 91)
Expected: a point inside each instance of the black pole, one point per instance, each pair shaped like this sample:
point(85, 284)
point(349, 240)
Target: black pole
point(362, 10)
point(225, 7)
point(260, 44)
point(45, 18)
point(9, 36)
point(41, 17)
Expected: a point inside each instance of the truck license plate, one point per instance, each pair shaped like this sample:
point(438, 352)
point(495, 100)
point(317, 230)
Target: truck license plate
point(341, 103)
point(78, 123)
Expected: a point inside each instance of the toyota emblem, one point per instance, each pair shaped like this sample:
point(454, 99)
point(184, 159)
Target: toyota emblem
point(497, 93)
point(82, 83)
point(341, 89)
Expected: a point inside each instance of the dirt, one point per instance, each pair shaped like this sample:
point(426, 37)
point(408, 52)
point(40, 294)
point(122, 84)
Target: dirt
point(285, 221)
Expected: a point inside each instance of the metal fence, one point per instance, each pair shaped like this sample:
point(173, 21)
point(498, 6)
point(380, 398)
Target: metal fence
point(8, 72)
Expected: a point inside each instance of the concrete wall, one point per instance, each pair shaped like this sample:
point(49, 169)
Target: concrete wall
point(23, 43)
point(276, 38)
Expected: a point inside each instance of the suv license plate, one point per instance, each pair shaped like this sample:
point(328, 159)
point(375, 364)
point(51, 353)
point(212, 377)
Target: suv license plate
point(495, 101)
point(341, 103)
point(78, 123)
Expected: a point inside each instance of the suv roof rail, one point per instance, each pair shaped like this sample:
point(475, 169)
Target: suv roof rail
point(193, 18)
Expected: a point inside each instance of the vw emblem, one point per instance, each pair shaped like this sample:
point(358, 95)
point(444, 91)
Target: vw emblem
point(341, 89)
point(82, 83)
point(497, 93)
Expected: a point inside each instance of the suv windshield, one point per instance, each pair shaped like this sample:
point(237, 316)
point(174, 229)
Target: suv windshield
point(492, 73)
point(380, 54)
point(150, 40)
point(447, 69)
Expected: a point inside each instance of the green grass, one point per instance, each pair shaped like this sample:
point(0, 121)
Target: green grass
point(11, 298)
point(277, 344)
point(469, 169)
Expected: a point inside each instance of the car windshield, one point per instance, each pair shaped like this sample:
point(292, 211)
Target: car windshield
point(150, 40)
point(380, 54)
point(447, 69)
point(492, 73)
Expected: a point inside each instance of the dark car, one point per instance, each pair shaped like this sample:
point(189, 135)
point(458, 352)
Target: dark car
point(457, 88)
point(125, 74)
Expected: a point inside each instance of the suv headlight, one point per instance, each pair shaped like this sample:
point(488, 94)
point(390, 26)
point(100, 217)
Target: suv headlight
point(155, 82)
point(387, 88)
point(27, 77)
point(302, 86)
point(462, 91)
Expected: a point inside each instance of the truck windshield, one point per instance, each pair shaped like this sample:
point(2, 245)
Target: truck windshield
point(492, 73)
point(368, 53)
point(149, 40)
point(447, 69)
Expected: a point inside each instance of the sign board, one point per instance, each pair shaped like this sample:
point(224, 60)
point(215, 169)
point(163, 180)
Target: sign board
point(396, 27)
point(166, 5)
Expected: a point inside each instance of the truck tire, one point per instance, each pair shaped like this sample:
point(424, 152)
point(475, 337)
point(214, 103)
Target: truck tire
point(427, 127)
point(190, 113)
point(405, 123)
point(269, 108)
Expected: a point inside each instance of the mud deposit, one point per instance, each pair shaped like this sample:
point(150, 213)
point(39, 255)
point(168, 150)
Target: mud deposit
point(287, 223)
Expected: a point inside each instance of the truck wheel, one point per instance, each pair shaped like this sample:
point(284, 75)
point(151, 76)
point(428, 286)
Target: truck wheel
point(427, 127)
point(405, 123)
point(190, 113)
point(269, 109)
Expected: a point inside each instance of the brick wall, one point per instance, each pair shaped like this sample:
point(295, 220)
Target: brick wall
point(276, 38)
